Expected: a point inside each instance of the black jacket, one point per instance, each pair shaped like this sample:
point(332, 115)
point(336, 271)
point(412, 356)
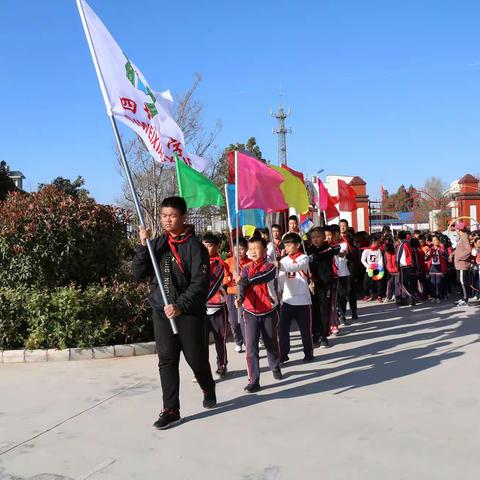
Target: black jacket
point(190, 287)
point(321, 264)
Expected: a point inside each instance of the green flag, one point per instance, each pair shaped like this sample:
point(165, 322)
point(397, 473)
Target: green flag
point(195, 188)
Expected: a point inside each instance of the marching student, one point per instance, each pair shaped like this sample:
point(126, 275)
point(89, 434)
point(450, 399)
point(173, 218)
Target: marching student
point(294, 281)
point(392, 291)
point(234, 315)
point(343, 273)
point(293, 224)
point(437, 264)
point(321, 256)
point(216, 303)
point(184, 264)
point(276, 249)
point(372, 255)
point(330, 239)
point(259, 300)
point(406, 265)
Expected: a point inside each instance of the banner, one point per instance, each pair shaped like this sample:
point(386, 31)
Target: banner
point(130, 99)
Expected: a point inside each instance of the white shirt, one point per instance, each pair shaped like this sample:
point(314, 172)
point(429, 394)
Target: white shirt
point(341, 262)
point(372, 256)
point(294, 279)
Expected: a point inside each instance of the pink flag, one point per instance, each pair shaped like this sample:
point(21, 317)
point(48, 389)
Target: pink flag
point(322, 199)
point(259, 185)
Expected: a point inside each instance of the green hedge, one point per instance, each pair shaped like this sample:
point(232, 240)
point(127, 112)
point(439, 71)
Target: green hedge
point(105, 314)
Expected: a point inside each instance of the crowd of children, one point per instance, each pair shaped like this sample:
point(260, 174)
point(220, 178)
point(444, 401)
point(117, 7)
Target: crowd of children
point(311, 279)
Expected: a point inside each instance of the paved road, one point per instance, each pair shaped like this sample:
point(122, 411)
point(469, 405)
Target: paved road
point(396, 397)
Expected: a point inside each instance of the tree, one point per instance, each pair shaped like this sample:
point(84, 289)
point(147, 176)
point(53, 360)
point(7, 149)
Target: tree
point(435, 187)
point(6, 183)
point(72, 188)
point(154, 181)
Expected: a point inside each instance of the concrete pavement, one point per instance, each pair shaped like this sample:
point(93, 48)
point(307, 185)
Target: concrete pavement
point(397, 396)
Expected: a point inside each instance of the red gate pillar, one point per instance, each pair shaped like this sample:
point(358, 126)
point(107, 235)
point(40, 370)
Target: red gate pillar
point(360, 218)
point(468, 200)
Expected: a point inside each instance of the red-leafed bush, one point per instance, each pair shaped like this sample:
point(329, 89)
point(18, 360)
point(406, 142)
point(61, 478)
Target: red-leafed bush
point(49, 239)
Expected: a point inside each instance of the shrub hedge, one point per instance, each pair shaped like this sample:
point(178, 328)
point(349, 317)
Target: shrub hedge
point(99, 314)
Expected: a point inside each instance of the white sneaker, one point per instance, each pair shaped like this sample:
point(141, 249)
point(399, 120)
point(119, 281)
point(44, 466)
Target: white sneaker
point(438, 300)
point(238, 348)
point(462, 303)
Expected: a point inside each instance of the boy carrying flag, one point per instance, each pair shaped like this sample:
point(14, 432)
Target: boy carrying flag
point(216, 303)
point(258, 297)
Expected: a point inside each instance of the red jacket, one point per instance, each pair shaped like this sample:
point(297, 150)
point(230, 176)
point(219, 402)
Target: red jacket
point(216, 294)
point(441, 255)
point(391, 262)
point(405, 254)
point(257, 289)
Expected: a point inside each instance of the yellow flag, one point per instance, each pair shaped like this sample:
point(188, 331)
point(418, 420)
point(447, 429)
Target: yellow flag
point(249, 230)
point(293, 190)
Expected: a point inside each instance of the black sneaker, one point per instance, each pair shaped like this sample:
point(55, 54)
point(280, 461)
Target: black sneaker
point(277, 373)
point(284, 359)
point(221, 372)
point(168, 418)
point(308, 358)
point(324, 342)
point(354, 316)
point(252, 387)
point(209, 399)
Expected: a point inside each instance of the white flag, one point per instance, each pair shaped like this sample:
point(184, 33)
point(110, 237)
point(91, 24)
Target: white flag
point(129, 98)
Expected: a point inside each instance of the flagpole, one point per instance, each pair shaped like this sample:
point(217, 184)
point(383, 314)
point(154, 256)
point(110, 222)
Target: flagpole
point(237, 219)
point(123, 158)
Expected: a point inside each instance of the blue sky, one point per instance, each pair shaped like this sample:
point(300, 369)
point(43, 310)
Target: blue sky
point(388, 90)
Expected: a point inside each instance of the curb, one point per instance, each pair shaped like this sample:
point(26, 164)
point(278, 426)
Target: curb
point(74, 354)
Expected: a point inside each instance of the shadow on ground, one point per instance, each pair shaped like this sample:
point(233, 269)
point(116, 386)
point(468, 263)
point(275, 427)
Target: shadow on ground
point(384, 328)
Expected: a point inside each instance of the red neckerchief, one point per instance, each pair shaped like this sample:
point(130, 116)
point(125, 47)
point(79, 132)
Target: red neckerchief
point(174, 241)
point(256, 266)
point(217, 259)
point(294, 256)
point(276, 244)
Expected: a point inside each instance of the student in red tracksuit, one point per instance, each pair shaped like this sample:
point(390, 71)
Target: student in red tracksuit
point(437, 264)
point(392, 269)
point(235, 315)
point(406, 268)
point(258, 297)
point(216, 303)
point(421, 273)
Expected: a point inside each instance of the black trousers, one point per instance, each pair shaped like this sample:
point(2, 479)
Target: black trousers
point(217, 324)
point(192, 340)
point(464, 282)
point(321, 308)
point(346, 292)
point(303, 315)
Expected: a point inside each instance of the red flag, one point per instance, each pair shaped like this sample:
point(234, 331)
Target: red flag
point(347, 197)
point(231, 167)
point(294, 172)
point(331, 211)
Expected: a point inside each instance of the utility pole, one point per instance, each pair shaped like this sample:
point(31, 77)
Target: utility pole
point(281, 131)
